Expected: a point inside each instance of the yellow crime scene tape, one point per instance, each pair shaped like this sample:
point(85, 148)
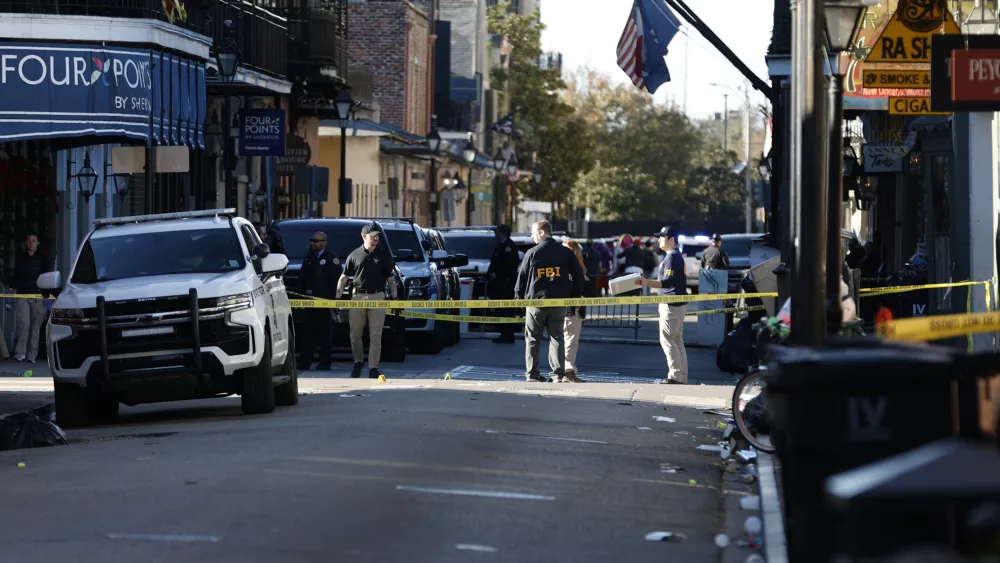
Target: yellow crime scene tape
point(921, 329)
point(518, 320)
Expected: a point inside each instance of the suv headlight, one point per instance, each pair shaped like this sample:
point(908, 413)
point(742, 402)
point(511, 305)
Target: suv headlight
point(234, 302)
point(67, 316)
point(418, 288)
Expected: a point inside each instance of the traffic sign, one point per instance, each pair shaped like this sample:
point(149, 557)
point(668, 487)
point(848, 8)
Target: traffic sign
point(911, 106)
point(893, 78)
point(907, 36)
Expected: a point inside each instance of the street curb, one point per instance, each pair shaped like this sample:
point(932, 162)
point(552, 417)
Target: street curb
point(775, 549)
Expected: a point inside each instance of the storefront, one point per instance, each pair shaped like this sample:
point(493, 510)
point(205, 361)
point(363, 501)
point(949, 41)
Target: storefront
point(76, 125)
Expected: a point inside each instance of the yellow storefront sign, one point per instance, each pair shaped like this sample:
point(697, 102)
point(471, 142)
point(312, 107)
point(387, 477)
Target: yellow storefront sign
point(893, 78)
point(907, 37)
point(912, 106)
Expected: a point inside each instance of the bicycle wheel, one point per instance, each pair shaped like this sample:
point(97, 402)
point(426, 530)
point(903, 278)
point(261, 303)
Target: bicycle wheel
point(749, 409)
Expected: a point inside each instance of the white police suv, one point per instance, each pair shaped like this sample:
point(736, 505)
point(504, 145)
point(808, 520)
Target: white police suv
point(170, 307)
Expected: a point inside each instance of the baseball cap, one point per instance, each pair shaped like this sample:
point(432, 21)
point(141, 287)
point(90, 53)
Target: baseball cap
point(371, 228)
point(716, 236)
point(668, 232)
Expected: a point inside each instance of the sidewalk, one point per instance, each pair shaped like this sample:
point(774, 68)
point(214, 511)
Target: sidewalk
point(17, 392)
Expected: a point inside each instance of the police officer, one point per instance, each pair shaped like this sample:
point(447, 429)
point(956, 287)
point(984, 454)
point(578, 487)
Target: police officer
point(371, 267)
point(549, 271)
point(713, 257)
point(320, 273)
point(502, 276)
point(671, 280)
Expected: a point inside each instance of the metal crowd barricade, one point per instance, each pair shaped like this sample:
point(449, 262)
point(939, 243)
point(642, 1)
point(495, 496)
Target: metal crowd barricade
point(611, 316)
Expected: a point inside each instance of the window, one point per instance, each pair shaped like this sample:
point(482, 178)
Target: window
point(475, 247)
point(406, 239)
point(158, 254)
point(251, 239)
point(293, 240)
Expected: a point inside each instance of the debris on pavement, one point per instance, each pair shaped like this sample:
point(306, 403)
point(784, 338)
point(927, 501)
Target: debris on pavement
point(750, 503)
point(682, 433)
point(721, 540)
point(753, 525)
point(31, 429)
point(666, 536)
point(643, 428)
point(670, 468)
point(22, 465)
point(625, 404)
point(708, 448)
point(747, 455)
point(664, 419)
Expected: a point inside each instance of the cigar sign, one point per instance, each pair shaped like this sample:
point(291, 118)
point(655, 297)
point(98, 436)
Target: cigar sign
point(975, 75)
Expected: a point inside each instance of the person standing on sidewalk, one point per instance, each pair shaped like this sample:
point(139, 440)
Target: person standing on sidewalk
point(30, 312)
point(371, 267)
point(320, 274)
point(549, 271)
point(574, 322)
point(671, 280)
point(502, 276)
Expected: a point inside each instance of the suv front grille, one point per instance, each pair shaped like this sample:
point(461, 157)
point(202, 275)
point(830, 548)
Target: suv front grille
point(156, 311)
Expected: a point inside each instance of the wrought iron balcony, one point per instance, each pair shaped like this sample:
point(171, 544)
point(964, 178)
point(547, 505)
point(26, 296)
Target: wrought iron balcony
point(551, 61)
point(317, 36)
point(170, 12)
point(261, 34)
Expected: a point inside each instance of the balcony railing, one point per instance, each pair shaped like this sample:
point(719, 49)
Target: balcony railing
point(262, 35)
point(550, 61)
point(318, 35)
point(138, 9)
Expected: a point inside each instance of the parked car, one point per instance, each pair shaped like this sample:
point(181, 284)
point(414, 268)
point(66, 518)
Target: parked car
point(476, 243)
point(291, 237)
point(425, 277)
point(170, 307)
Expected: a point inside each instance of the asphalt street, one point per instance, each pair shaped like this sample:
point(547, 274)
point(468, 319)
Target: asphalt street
point(483, 467)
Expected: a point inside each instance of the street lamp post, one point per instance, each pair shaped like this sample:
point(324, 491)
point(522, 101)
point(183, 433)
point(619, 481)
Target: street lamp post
point(498, 163)
point(553, 183)
point(434, 144)
point(841, 17)
point(748, 181)
point(344, 103)
point(227, 58)
point(512, 170)
point(469, 154)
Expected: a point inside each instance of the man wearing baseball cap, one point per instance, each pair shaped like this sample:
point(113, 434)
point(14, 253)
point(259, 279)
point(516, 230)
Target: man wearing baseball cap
point(671, 280)
point(714, 258)
point(371, 267)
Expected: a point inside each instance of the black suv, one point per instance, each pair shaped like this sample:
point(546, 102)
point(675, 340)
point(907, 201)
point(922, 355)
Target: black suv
point(343, 235)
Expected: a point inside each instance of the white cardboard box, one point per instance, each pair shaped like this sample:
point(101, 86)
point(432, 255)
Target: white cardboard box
point(624, 284)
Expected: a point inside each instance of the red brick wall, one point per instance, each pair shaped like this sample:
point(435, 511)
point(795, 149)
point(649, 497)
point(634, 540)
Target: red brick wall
point(377, 32)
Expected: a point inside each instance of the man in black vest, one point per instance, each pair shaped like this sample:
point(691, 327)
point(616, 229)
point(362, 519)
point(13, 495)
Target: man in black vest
point(320, 272)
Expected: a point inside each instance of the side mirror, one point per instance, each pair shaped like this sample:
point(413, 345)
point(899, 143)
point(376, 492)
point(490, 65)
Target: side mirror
point(261, 251)
point(437, 255)
point(274, 264)
point(404, 255)
point(426, 245)
point(50, 283)
point(458, 260)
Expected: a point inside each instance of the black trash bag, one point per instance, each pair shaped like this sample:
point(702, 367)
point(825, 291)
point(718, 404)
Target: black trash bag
point(754, 415)
point(30, 429)
point(738, 351)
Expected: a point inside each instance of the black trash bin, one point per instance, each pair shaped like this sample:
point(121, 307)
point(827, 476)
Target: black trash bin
point(849, 403)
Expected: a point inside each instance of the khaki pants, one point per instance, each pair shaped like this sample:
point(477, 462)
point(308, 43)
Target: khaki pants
point(30, 313)
point(672, 341)
point(572, 327)
point(375, 318)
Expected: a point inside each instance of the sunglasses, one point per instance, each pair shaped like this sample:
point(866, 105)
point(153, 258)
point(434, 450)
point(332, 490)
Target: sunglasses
point(317, 240)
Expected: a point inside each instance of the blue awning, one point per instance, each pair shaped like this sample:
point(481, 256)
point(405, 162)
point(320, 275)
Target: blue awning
point(59, 90)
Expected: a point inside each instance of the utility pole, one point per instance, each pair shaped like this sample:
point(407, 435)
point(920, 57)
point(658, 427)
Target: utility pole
point(725, 123)
point(747, 170)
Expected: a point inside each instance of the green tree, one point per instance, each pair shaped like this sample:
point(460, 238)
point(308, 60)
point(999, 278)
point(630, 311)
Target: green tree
point(549, 126)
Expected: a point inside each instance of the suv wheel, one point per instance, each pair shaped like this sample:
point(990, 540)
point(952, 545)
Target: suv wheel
point(287, 394)
point(75, 406)
point(258, 387)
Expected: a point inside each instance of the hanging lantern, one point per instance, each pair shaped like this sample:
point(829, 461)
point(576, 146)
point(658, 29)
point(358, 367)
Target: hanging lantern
point(865, 193)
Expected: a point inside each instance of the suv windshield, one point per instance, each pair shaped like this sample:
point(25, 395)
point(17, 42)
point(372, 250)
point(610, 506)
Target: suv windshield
point(738, 245)
point(406, 238)
point(692, 250)
point(157, 254)
point(475, 247)
point(293, 240)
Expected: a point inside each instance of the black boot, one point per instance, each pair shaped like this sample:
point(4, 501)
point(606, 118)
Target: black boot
point(356, 371)
point(374, 373)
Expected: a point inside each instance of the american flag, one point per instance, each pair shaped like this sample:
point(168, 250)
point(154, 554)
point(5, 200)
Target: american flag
point(630, 48)
point(643, 45)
